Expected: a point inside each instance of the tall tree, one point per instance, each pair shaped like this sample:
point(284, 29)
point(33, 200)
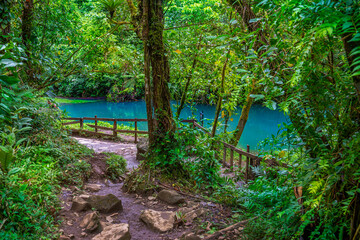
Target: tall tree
point(243, 8)
point(5, 20)
point(148, 22)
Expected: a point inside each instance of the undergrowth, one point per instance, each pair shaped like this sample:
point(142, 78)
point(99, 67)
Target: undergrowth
point(30, 180)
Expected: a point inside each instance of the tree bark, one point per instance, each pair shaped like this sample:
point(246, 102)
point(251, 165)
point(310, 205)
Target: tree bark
point(189, 77)
point(218, 105)
point(5, 20)
point(243, 8)
point(244, 116)
point(163, 120)
point(147, 71)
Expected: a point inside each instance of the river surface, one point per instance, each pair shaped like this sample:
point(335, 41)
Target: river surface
point(262, 122)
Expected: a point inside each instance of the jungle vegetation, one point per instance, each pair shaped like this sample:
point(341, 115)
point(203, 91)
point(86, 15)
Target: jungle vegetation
point(297, 56)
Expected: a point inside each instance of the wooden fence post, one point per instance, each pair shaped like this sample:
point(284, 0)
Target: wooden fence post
point(96, 130)
point(136, 131)
point(224, 157)
point(247, 163)
point(240, 161)
point(115, 128)
point(81, 123)
point(231, 157)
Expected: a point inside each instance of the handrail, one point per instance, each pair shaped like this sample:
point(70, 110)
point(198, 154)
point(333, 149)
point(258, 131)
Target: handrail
point(251, 159)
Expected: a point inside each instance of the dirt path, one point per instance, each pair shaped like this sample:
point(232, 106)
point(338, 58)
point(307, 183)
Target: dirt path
point(133, 204)
point(127, 150)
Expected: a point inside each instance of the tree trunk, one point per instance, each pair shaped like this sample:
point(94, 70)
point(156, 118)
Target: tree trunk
point(243, 8)
point(27, 18)
point(189, 77)
point(218, 105)
point(26, 27)
point(5, 20)
point(243, 117)
point(147, 72)
point(163, 120)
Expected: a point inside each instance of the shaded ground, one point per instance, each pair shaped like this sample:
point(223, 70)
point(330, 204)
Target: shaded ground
point(127, 150)
point(132, 204)
point(216, 216)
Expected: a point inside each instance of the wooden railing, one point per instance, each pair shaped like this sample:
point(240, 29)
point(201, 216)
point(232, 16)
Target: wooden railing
point(250, 159)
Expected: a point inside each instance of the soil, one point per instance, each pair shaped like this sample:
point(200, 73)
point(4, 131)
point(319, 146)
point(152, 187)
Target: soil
point(133, 204)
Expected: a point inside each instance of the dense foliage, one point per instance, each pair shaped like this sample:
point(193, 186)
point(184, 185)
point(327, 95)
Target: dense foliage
point(300, 57)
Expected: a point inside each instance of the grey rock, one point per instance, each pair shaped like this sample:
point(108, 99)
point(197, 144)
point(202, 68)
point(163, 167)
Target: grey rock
point(105, 204)
point(79, 204)
point(171, 197)
point(93, 187)
point(90, 221)
point(114, 232)
point(158, 221)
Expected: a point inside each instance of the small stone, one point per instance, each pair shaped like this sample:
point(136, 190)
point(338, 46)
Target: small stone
point(158, 221)
point(171, 197)
point(71, 236)
point(90, 221)
point(190, 236)
point(151, 198)
point(63, 237)
point(109, 219)
point(83, 234)
point(93, 187)
point(114, 232)
point(84, 196)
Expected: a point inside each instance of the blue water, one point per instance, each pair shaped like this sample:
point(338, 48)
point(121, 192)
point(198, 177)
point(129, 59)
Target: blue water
point(262, 122)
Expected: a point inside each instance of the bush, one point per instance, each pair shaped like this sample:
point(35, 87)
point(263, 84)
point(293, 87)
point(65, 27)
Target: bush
point(116, 166)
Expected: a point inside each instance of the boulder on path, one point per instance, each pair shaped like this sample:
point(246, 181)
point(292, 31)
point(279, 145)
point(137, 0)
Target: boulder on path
point(93, 187)
point(170, 197)
point(90, 221)
point(105, 204)
point(114, 232)
point(158, 221)
point(142, 148)
point(79, 204)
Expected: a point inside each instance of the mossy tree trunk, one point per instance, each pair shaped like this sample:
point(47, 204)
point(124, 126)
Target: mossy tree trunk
point(26, 33)
point(163, 122)
point(5, 20)
point(243, 8)
point(221, 95)
point(148, 22)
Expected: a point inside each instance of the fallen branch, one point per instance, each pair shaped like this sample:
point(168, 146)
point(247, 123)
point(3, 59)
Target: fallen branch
point(232, 227)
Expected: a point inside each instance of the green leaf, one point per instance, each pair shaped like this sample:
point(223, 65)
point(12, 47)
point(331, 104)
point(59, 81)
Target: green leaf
point(9, 63)
point(8, 80)
point(254, 20)
point(257, 96)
